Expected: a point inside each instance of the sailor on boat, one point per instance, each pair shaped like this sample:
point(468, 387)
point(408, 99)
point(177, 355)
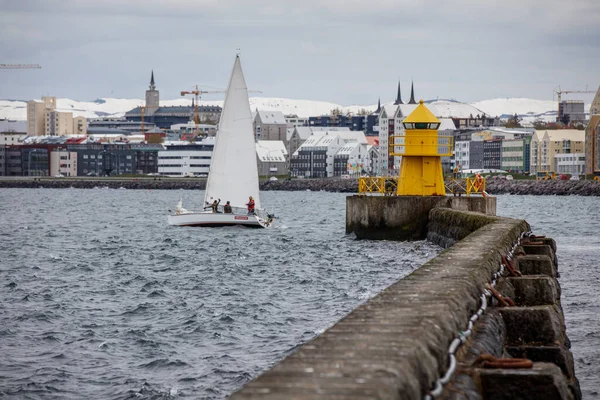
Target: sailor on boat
point(214, 206)
point(250, 205)
point(227, 208)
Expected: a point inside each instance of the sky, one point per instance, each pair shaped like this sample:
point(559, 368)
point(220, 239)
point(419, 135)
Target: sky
point(343, 51)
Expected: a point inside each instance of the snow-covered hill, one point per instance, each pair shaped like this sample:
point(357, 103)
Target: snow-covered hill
point(528, 109)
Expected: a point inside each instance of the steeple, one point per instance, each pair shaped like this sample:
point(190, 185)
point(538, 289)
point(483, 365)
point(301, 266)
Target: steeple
point(378, 106)
point(412, 94)
point(398, 96)
point(152, 97)
point(152, 87)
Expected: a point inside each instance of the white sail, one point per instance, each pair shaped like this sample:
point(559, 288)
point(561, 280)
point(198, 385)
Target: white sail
point(233, 172)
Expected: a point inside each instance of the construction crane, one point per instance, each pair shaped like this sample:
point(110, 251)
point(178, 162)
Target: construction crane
point(197, 93)
point(20, 66)
point(560, 92)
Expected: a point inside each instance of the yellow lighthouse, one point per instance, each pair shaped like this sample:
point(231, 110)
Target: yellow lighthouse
point(421, 148)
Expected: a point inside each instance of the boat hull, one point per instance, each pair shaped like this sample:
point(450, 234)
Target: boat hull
point(210, 219)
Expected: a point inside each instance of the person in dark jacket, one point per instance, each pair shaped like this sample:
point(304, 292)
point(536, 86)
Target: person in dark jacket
point(227, 208)
point(214, 206)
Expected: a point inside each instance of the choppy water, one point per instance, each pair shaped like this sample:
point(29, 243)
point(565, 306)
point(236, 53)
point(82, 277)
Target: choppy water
point(100, 299)
point(575, 225)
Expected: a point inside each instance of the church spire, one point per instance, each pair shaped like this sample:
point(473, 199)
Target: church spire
point(398, 96)
point(412, 94)
point(378, 106)
point(152, 80)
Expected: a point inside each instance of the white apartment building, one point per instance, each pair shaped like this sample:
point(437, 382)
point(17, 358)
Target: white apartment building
point(462, 154)
point(351, 159)
point(573, 163)
point(180, 159)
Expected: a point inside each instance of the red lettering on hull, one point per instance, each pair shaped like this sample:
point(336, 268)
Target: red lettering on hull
point(241, 217)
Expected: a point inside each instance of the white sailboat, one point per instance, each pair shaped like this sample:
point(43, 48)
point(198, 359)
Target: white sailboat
point(233, 172)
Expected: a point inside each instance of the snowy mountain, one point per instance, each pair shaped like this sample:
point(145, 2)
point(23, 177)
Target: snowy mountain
point(528, 109)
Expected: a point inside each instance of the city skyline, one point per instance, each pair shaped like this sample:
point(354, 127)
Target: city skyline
point(346, 52)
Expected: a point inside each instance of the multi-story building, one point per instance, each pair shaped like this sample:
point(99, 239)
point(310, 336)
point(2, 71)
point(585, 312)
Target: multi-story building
point(36, 115)
point(315, 157)
point(301, 133)
point(63, 162)
point(545, 144)
point(104, 159)
point(146, 157)
point(184, 159)
point(272, 158)
point(11, 138)
point(592, 135)
point(13, 163)
point(492, 154)
point(58, 123)
point(573, 163)
point(270, 125)
point(352, 159)
point(571, 111)
point(516, 154)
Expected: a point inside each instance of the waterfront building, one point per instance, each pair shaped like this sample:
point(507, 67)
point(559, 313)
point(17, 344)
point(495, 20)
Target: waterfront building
point(592, 136)
point(13, 127)
point(100, 159)
point(164, 117)
point(547, 143)
point(492, 154)
point(270, 125)
point(180, 159)
point(571, 163)
point(63, 162)
point(315, 157)
point(516, 154)
point(352, 159)
point(272, 157)
point(301, 133)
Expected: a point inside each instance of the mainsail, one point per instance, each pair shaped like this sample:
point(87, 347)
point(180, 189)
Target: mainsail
point(233, 172)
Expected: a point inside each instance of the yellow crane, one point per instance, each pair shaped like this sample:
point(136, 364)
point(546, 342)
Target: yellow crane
point(197, 93)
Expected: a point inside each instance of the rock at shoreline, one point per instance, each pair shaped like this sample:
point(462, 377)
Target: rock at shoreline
point(494, 186)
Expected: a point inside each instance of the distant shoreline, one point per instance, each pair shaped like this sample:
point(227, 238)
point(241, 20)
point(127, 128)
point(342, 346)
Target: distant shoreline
point(494, 186)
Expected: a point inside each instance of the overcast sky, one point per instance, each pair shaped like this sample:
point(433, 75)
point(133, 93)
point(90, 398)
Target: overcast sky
point(343, 51)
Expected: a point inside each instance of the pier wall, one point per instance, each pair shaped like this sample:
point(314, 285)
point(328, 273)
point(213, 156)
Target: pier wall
point(404, 217)
point(396, 345)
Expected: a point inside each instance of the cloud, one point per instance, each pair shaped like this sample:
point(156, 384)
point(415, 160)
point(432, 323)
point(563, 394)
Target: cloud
point(345, 51)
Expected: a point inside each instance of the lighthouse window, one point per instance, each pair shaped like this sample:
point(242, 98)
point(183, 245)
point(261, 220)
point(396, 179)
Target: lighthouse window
point(433, 126)
point(409, 126)
point(421, 125)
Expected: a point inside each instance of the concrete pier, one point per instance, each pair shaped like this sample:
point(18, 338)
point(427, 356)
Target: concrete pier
point(396, 346)
point(404, 217)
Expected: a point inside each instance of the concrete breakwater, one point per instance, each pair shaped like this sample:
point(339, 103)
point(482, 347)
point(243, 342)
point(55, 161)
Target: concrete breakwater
point(482, 320)
point(494, 186)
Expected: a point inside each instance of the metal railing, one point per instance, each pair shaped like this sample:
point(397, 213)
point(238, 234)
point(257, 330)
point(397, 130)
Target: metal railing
point(385, 185)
